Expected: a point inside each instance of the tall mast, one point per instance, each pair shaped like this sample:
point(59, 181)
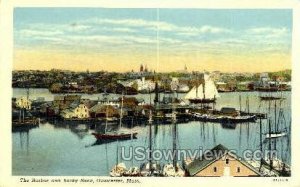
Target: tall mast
point(20, 114)
point(203, 86)
point(248, 107)
point(106, 119)
point(117, 160)
point(197, 85)
point(276, 125)
point(270, 147)
point(260, 138)
point(27, 93)
point(240, 102)
point(121, 113)
point(174, 138)
point(275, 114)
point(150, 142)
point(150, 97)
point(156, 99)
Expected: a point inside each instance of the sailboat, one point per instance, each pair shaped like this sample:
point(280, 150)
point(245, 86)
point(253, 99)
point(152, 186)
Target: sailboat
point(133, 171)
point(268, 92)
point(274, 163)
point(150, 168)
point(206, 92)
point(116, 135)
point(119, 169)
point(264, 165)
point(173, 169)
point(276, 133)
point(269, 96)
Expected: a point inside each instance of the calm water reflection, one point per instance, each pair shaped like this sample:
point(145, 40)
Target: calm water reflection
point(58, 149)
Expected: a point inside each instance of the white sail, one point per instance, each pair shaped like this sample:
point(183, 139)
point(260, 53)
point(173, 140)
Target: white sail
point(195, 93)
point(210, 90)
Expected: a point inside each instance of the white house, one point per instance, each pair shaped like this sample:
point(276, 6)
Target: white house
point(142, 85)
point(145, 85)
point(75, 110)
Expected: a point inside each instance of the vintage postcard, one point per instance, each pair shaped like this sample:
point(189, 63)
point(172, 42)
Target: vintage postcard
point(112, 95)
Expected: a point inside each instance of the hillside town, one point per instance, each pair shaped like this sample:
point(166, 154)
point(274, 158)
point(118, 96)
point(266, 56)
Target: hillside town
point(143, 81)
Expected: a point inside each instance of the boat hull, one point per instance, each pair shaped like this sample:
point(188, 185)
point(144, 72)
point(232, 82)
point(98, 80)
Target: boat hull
point(275, 135)
point(266, 98)
point(198, 101)
point(225, 119)
point(125, 136)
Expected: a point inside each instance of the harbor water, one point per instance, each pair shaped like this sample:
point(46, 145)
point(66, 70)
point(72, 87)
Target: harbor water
point(58, 149)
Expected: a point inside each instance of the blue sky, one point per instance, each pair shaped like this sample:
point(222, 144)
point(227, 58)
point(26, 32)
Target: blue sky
point(184, 36)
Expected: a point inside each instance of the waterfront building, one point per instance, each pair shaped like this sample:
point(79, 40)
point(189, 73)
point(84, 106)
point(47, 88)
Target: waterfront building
point(218, 162)
point(63, 101)
point(112, 101)
point(102, 110)
point(23, 103)
point(75, 110)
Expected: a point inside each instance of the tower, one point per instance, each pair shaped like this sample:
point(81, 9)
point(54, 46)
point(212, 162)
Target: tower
point(141, 68)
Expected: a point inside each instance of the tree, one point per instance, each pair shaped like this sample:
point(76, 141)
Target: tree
point(56, 87)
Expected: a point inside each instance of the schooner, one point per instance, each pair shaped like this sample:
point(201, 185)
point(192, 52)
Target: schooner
point(206, 92)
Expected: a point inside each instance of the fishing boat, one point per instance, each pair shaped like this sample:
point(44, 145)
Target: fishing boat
point(272, 162)
point(115, 135)
point(276, 132)
point(270, 96)
point(150, 168)
point(118, 170)
point(170, 171)
point(132, 172)
point(206, 92)
point(266, 98)
point(173, 169)
point(275, 135)
point(270, 92)
point(217, 118)
point(154, 170)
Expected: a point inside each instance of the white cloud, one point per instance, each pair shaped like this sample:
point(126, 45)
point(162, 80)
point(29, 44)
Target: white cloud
point(33, 33)
point(109, 33)
point(269, 32)
point(155, 25)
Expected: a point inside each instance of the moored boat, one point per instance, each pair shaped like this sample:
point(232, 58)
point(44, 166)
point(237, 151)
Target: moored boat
point(118, 170)
point(204, 93)
point(275, 135)
point(132, 172)
point(115, 136)
point(170, 171)
point(218, 118)
point(267, 98)
point(154, 170)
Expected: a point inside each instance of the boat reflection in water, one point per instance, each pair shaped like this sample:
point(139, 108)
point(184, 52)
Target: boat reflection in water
point(228, 125)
